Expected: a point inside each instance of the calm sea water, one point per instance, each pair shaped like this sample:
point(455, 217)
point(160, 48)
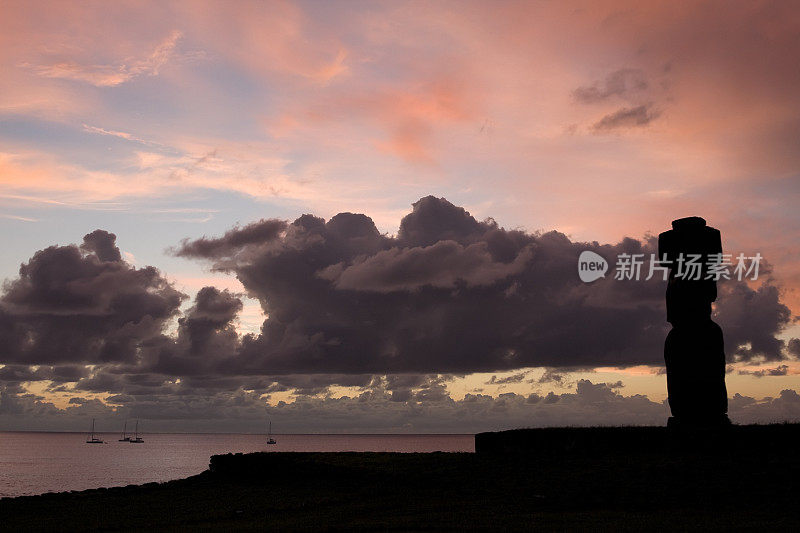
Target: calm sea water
point(35, 463)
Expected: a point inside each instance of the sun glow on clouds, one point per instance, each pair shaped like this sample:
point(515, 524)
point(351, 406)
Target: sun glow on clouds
point(109, 75)
point(601, 119)
point(433, 95)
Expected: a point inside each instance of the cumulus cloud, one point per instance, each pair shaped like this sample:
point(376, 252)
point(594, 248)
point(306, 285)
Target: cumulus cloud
point(83, 304)
point(102, 244)
point(441, 265)
point(748, 410)
point(450, 293)
point(233, 241)
point(794, 347)
point(346, 306)
point(752, 319)
point(447, 294)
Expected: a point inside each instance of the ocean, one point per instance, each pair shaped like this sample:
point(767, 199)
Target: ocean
point(38, 462)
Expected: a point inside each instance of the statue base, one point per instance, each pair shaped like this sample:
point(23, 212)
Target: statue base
point(676, 423)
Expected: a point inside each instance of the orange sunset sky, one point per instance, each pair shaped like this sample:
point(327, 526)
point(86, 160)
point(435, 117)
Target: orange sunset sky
point(167, 122)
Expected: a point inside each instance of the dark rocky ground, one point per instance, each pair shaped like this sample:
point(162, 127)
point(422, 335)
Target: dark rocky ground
point(552, 479)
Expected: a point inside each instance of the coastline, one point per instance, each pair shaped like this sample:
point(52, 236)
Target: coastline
point(747, 483)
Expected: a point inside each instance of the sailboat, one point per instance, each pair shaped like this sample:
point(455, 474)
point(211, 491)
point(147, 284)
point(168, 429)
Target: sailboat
point(270, 440)
point(91, 438)
point(125, 437)
point(136, 438)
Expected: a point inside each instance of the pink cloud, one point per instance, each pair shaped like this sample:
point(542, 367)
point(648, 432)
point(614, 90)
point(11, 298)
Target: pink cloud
point(371, 108)
point(270, 37)
point(109, 75)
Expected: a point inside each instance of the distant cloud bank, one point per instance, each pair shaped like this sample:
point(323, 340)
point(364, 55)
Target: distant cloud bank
point(347, 306)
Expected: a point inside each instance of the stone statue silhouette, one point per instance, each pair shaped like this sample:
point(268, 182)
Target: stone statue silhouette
point(693, 351)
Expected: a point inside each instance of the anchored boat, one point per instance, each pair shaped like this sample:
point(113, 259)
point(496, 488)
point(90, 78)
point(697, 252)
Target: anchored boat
point(136, 438)
point(92, 438)
point(125, 437)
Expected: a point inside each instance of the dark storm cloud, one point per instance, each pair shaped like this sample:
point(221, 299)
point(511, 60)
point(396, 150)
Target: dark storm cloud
point(102, 244)
point(348, 307)
point(620, 83)
point(434, 219)
point(234, 240)
point(514, 302)
point(206, 335)
point(440, 265)
point(207, 329)
point(453, 294)
point(626, 117)
point(57, 374)
point(18, 374)
point(82, 304)
point(794, 347)
point(449, 293)
point(751, 320)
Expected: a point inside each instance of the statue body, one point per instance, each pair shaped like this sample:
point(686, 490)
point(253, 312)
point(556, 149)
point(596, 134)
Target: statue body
point(693, 352)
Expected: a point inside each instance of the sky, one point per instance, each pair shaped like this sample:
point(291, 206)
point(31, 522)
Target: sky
point(366, 216)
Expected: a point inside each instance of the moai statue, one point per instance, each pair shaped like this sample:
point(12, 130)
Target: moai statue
point(694, 351)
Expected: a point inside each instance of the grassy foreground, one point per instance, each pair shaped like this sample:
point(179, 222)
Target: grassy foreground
point(575, 478)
